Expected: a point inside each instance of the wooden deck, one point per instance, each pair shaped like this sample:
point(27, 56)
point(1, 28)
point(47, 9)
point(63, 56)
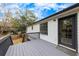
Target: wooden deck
point(34, 48)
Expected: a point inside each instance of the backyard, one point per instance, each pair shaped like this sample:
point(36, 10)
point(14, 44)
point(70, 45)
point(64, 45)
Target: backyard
point(31, 35)
point(16, 26)
point(16, 39)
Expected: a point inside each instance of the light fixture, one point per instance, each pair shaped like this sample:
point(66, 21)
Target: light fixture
point(54, 19)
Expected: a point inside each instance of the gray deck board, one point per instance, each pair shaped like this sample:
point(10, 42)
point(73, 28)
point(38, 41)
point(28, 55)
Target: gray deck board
point(15, 50)
point(34, 48)
point(20, 53)
point(9, 50)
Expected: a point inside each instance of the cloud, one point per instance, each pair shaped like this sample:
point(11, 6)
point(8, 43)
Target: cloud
point(41, 10)
point(12, 7)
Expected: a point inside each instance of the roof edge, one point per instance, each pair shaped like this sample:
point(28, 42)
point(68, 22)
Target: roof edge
point(66, 9)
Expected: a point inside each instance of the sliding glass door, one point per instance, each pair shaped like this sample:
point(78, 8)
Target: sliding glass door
point(67, 31)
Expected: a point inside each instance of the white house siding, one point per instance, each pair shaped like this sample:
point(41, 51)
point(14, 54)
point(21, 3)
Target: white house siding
point(78, 30)
point(36, 28)
point(52, 32)
point(53, 28)
point(33, 33)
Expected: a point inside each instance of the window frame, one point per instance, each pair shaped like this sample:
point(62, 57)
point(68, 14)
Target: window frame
point(44, 28)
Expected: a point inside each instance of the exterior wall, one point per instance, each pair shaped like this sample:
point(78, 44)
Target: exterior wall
point(53, 27)
point(34, 33)
point(36, 28)
point(78, 31)
point(52, 32)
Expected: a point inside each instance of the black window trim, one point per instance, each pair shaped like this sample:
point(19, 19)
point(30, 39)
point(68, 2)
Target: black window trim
point(43, 29)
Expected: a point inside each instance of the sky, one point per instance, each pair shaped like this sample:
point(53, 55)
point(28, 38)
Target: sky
point(41, 10)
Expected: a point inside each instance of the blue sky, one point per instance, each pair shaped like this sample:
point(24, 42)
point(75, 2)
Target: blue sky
point(41, 10)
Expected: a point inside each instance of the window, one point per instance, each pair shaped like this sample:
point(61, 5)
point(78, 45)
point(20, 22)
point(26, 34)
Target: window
point(44, 28)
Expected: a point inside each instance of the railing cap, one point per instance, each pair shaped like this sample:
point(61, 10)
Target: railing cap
point(3, 38)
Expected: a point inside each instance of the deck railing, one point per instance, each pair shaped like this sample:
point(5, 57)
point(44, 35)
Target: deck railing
point(34, 35)
point(5, 42)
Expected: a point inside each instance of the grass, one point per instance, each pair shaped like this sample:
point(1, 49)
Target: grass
point(16, 39)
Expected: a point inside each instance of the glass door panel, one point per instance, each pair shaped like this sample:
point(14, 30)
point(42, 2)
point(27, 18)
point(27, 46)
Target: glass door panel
point(67, 31)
